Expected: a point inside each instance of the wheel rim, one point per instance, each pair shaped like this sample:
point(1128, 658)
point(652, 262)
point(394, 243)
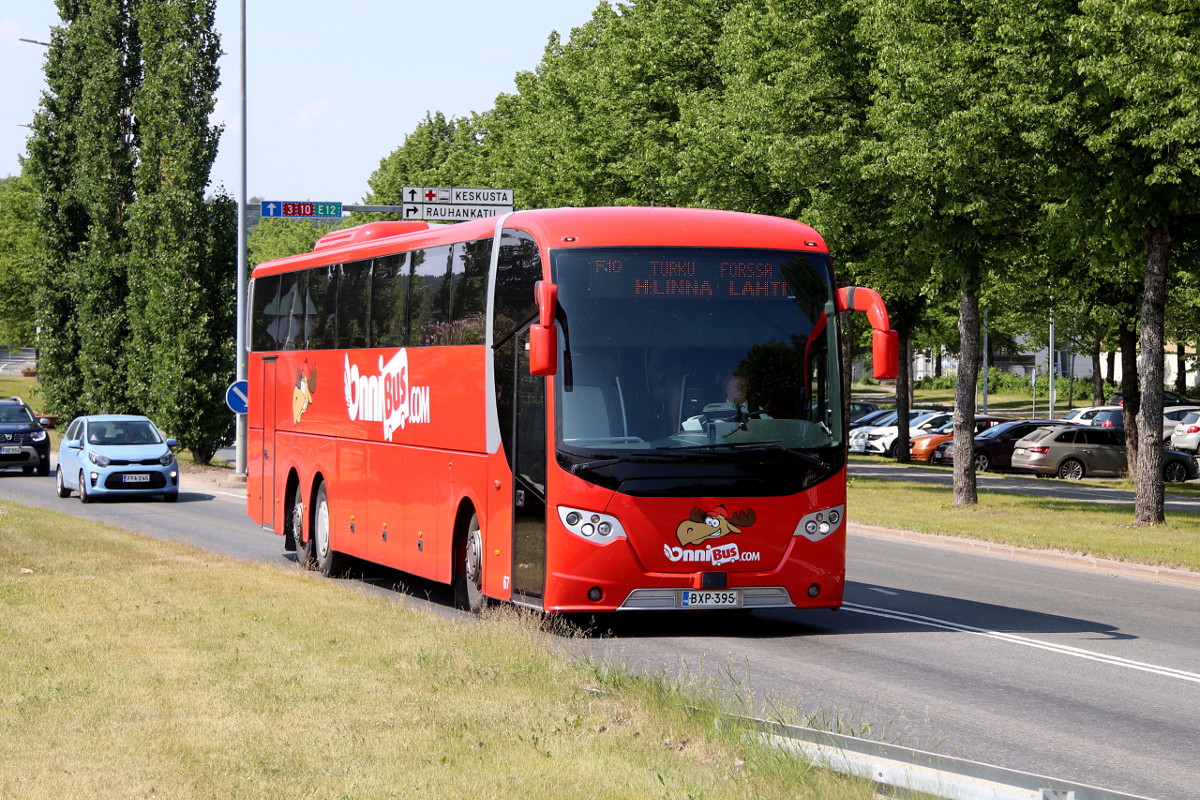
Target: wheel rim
point(1072, 471)
point(981, 463)
point(298, 523)
point(82, 486)
point(1175, 472)
point(58, 479)
point(321, 527)
point(475, 560)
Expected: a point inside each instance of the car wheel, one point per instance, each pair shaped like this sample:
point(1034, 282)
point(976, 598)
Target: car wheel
point(84, 497)
point(982, 462)
point(295, 531)
point(469, 585)
point(894, 449)
point(28, 470)
point(171, 497)
point(1175, 472)
point(63, 489)
point(1071, 470)
point(329, 561)
point(43, 469)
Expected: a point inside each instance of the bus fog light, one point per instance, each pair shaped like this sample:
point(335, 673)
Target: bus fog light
point(811, 526)
point(588, 529)
point(834, 517)
point(814, 590)
point(823, 527)
point(595, 594)
point(573, 518)
point(604, 529)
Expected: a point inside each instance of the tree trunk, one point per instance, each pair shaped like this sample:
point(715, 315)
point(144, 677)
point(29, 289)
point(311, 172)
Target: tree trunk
point(965, 493)
point(1131, 402)
point(1097, 381)
point(1180, 369)
point(912, 385)
point(903, 392)
point(1111, 366)
point(937, 364)
point(1148, 499)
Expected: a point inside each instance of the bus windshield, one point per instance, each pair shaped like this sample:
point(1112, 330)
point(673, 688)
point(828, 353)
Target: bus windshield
point(675, 350)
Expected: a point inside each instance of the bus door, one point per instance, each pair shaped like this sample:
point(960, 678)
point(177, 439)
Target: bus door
point(528, 423)
point(266, 464)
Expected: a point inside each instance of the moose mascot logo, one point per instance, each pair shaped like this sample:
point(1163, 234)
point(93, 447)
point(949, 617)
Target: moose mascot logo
point(713, 524)
point(302, 392)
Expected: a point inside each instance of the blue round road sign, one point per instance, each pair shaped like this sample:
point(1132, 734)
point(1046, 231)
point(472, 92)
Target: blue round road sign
point(237, 397)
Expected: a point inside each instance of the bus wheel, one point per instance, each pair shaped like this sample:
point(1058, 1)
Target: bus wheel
point(469, 588)
point(329, 561)
point(295, 531)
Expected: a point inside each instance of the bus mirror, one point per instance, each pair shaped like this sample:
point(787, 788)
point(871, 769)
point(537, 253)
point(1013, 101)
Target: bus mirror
point(860, 298)
point(885, 352)
point(546, 295)
point(543, 349)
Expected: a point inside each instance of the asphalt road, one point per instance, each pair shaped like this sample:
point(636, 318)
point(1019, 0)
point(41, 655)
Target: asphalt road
point(1076, 675)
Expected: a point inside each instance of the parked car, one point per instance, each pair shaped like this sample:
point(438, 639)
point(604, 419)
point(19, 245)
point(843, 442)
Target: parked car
point(1169, 399)
point(871, 418)
point(116, 455)
point(994, 447)
point(922, 448)
point(882, 440)
point(1084, 416)
point(1073, 453)
point(860, 436)
point(860, 408)
point(1115, 418)
point(23, 441)
point(1186, 436)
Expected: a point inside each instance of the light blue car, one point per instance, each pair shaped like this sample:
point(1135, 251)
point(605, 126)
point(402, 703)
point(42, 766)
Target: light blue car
point(116, 455)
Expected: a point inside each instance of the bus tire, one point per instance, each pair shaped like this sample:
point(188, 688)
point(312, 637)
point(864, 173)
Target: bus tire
point(329, 561)
point(294, 528)
point(468, 586)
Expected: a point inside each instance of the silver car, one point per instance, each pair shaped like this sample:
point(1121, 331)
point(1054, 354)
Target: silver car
point(1186, 436)
point(1073, 452)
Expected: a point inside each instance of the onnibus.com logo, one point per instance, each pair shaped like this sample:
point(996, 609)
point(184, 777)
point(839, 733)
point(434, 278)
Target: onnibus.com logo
point(721, 554)
point(387, 396)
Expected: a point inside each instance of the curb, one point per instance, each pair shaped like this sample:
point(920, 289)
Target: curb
point(1057, 558)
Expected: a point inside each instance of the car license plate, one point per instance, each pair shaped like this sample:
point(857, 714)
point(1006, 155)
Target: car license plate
point(10, 450)
point(136, 477)
point(1020, 451)
point(727, 598)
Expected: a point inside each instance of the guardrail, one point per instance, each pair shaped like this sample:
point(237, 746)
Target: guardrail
point(921, 771)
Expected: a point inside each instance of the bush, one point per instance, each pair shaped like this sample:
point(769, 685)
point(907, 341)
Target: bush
point(1001, 382)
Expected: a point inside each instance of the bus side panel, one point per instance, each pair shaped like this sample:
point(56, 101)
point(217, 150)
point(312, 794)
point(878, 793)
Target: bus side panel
point(348, 502)
point(385, 500)
point(468, 482)
point(425, 488)
point(496, 522)
point(254, 482)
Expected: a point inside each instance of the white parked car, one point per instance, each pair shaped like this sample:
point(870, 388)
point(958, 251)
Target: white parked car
point(881, 440)
point(1186, 436)
point(1084, 416)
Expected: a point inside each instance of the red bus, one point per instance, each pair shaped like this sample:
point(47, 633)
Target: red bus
point(591, 409)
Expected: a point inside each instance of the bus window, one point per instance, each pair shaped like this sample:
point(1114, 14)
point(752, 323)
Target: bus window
point(387, 300)
point(429, 296)
point(469, 296)
point(519, 267)
point(289, 327)
point(265, 313)
point(321, 309)
point(354, 305)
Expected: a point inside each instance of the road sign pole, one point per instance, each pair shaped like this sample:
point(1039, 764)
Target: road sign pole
point(240, 358)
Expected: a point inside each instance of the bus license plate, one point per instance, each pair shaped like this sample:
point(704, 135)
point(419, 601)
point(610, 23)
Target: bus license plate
point(137, 477)
point(729, 598)
point(10, 450)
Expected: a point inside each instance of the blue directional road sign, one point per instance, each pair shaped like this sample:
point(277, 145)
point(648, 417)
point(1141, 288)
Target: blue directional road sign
point(300, 209)
point(237, 397)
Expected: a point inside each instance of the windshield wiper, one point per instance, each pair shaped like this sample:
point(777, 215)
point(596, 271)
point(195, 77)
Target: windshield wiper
point(812, 461)
point(604, 462)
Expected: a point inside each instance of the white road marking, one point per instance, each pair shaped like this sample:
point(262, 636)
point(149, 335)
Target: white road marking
point(883, 591)
point(1062, 649)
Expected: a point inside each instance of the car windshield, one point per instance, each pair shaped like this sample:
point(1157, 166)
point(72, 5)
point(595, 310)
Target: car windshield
point(995, 430)
point(676, 349)
point(15, 414)
point(123, 432)
point(873, 417)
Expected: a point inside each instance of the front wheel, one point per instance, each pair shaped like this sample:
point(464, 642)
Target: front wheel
point(329, 561)
point(28, 470)
point(63, 489)
point(84, 497)
point(982, 462)
point(171, 497)
point(1071, 470)
point(469, 586)
point(43, 469)
point(1175, 472)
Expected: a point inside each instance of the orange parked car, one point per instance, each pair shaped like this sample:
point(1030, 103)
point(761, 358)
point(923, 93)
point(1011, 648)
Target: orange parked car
point(922, 447)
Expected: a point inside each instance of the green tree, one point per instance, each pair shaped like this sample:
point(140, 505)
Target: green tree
point(18, 254)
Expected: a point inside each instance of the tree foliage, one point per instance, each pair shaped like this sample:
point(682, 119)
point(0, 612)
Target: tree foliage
point(18, 253)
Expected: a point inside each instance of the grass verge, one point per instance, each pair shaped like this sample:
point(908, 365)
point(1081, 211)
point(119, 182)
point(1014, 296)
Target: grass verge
point(1037, 522)
point(137, 668)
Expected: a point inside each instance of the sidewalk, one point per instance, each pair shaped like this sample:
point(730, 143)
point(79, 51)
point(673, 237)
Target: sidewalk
point(1057, 558)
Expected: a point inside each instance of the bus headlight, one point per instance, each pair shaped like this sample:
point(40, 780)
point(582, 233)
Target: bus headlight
point(817, 525)
point(591, 525)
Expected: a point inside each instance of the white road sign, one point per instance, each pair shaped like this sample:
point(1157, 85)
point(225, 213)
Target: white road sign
point(445, 212)
point(458, 195)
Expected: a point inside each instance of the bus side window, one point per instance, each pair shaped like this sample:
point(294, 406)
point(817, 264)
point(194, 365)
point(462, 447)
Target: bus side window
point(320, 322)
point(429, 287)
point(290, 328)
point(519, 268)
point(354, 305)
point(468, 314)
point(387, 301)
point(265, 314)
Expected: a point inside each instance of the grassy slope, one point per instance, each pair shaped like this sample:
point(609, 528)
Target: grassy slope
point(135, 668)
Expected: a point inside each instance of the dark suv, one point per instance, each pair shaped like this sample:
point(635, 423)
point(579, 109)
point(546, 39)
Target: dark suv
point(23, 441)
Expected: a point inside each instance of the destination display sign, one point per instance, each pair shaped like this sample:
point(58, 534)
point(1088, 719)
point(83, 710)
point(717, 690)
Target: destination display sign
point(696, 274)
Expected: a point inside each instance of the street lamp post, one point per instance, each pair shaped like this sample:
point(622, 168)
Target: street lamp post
point(240, 458)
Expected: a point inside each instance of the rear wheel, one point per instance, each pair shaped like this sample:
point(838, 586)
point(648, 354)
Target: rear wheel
point(63, 489)
point(982, 462)
point(1071, 470)
point(295, 529)
point(329, 561)
point(84, 497)
point(1175, 472)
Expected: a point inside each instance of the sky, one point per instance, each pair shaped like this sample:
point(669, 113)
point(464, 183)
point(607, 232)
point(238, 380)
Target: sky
point(332, 87)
